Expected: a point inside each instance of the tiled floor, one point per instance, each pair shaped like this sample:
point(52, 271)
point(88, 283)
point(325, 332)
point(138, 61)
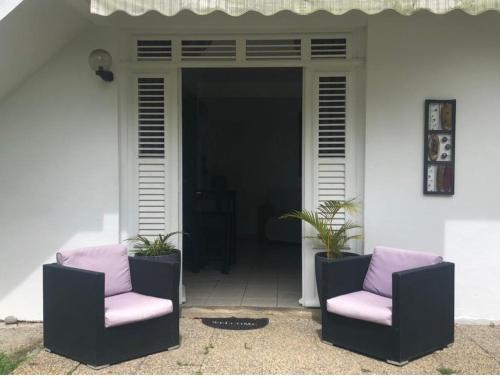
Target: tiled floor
point(265, 276)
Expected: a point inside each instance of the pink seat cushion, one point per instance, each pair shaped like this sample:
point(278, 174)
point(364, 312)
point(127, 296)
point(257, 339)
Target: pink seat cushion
point(362, 305)
point(133, 307)
point(111, 259)
point(386, 260)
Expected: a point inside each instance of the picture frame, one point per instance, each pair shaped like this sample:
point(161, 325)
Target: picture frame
point(439, 147)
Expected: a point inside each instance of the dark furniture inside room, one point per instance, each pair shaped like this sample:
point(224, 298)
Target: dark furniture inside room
point(214, 232)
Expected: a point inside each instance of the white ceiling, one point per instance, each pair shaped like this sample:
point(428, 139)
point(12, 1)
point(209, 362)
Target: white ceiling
point(6, 6)
point(30, 34)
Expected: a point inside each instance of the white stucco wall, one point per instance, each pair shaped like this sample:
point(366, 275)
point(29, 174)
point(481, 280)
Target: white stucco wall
point(59, 148)
point(59, 170)
point(409, 60)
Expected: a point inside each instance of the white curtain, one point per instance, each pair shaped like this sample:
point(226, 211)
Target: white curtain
point(269, 7)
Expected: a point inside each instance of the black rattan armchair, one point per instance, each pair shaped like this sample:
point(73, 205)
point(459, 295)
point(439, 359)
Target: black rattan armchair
point(74, 313)
point(422, 311)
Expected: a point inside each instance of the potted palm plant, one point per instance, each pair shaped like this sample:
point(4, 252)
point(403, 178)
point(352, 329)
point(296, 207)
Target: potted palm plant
point(333, 238)
point(160, 248)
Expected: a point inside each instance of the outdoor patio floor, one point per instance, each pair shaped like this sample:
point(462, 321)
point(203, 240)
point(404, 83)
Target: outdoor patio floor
point(290, 344)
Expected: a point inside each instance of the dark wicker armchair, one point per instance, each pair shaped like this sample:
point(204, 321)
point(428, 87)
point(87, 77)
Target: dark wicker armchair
point(394, 305)
point(127, 309)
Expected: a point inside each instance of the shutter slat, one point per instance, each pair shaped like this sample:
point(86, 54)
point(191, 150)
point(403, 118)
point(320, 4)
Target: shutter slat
point(157, 228)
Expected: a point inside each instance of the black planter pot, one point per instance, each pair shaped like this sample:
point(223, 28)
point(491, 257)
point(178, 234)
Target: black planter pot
point(319, 259)
point(174, 257)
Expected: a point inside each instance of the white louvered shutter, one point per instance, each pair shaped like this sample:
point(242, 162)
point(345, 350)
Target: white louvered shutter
point(151, 161)
point(331, 92)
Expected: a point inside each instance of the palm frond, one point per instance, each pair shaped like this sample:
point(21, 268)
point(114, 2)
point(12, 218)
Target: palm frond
point(168, 235)
point(334, 238)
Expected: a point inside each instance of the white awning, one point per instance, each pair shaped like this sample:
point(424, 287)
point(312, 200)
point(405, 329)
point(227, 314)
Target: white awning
point(269, 7)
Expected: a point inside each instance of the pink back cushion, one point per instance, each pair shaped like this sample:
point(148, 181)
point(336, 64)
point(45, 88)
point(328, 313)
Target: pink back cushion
point(386, 260)
point(111, 259)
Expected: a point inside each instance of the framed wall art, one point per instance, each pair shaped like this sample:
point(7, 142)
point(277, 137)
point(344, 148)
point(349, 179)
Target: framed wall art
point(439, 147)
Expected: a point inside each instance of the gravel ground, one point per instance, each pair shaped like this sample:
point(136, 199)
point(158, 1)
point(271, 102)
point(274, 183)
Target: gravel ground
point(290, 344)
point(19, 338)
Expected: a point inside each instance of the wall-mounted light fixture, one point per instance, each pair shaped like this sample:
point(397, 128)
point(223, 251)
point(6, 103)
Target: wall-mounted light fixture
point(100, 61)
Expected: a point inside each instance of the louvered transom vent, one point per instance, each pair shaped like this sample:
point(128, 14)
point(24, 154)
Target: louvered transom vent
point(154, 50)
point(209, 50)
point(331, 116)
point(151, 153)
point(273, 49)
point(331, 48)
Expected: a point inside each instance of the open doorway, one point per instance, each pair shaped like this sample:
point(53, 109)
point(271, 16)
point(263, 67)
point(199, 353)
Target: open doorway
point(242, 169)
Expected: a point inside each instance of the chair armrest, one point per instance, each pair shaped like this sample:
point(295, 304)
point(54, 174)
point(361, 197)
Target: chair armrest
point(424, 302)
point(156, 278)
point(344, 276)
point(73, 304)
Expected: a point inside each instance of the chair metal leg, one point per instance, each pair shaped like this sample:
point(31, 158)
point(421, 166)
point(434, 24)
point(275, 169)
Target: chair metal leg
point(97, 367)
point(447, 346)
point(397, 363)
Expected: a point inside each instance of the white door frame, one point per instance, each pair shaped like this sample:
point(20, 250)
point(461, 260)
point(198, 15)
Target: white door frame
point(354, 69)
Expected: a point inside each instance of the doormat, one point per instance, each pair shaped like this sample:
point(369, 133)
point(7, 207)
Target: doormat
point(234, 323)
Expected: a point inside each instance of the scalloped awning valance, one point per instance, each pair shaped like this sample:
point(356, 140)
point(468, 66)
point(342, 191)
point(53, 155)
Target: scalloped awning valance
point(269, 7)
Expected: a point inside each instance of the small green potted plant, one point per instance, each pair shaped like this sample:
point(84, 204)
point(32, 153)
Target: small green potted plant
point(333, 238)
point(160, 248)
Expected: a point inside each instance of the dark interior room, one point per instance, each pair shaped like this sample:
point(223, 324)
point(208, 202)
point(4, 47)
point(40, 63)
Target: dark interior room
point(242, 156)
